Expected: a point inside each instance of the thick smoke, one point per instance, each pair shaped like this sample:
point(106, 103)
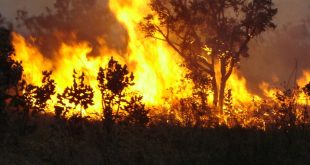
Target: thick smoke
point(278, 57)
point(72, 20)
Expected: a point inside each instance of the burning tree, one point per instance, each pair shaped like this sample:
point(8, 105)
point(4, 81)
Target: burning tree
point(37, 97)
point(210, 35)
point(113, 82)
point(80, 95)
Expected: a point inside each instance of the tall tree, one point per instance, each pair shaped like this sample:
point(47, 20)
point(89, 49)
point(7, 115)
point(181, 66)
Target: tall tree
point(211, 35)
point(10, 72)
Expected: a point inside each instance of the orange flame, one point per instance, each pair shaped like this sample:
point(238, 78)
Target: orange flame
point(155, 65)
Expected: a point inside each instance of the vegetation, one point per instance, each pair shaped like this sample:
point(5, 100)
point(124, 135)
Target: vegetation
point(275, 131)
point(79, 95)
point(213, 35)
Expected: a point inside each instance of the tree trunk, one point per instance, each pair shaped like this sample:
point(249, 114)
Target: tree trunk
point(224, 78)
point(222, 93)
point(215, 91)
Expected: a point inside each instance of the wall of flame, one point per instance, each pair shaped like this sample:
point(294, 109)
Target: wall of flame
point(157, 68)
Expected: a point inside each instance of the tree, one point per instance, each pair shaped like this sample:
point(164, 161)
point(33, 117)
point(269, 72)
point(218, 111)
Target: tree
point(137, 113)
point(116, 100)
point(79, 94)
point(211, 35)
point(10, 73)
point(112, 82)
point(306, 89)
point(36, 97)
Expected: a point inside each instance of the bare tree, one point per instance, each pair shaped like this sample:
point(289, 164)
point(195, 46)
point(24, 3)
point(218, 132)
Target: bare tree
point(211, 35)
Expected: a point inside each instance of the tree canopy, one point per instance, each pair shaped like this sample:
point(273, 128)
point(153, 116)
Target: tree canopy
point(211, 35)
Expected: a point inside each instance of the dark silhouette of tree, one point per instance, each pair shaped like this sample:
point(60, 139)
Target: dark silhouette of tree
point(32, 100)
point(286, 111)
point(137, 113)
point(210, 35)
point(113, 82)
point(79, 95)
point(306, 89)
point(37, 97)
point(10, 73)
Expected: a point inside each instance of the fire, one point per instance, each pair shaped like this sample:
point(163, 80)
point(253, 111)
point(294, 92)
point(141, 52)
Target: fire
point(237, 84)
point(156, 67)
point(304, 80)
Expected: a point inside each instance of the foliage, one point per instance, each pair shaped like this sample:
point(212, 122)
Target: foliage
point(287, 102)
point(210, 35)
point(113, 82)
point(137, 113)
point(10, 70)
point(10, 73)
point(37, 97)
point(306, 89)
point(79, 95)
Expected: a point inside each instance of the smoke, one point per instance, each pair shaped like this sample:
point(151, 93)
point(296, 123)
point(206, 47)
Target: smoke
point(65, 21)
point(9, 7)
point(279, 56)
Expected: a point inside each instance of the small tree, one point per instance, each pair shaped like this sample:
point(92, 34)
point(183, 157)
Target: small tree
point(112, 84)
point(211, 35)
point(79, 94)
point(137, 113)
point(37, 97)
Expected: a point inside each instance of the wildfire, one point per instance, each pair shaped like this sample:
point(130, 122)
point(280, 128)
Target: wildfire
point(155, 65)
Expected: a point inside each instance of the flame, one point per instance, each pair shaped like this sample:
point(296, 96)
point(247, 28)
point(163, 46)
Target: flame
point(303, 81)
point(155, 65)
point(237, 84)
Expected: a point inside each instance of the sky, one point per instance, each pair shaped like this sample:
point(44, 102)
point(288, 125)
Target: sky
point(273, 56)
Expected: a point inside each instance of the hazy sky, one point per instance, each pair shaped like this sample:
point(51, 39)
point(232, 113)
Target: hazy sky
point(273, 55)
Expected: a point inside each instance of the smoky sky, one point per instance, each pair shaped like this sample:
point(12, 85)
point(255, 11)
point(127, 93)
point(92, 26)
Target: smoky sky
point(279, 56)
point(65, 21)
point(276, 57)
